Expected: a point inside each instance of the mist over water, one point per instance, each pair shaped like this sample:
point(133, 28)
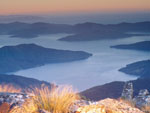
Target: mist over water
point(101, 68)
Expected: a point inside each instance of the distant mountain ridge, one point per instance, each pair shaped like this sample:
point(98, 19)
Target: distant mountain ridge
point(92, 31)
point(82, 32)
point(24, 56)
point(27, 30)
point(22, 18)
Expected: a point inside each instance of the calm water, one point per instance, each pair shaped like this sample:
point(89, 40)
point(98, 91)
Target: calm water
point(101, 68)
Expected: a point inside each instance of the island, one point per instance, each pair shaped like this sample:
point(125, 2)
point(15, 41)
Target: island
point(141, 46)
point(25, 56)
point(96, 35)
point(140, 68)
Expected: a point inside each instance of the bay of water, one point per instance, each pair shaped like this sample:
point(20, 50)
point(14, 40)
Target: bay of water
point(99, 69)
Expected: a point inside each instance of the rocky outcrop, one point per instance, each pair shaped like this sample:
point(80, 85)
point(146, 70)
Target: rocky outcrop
point(142, 99)
point(127, 92)
point(108, 106)
point(13, 99)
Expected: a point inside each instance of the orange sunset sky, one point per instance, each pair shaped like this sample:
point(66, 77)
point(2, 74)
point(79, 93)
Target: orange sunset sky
point(65, 6)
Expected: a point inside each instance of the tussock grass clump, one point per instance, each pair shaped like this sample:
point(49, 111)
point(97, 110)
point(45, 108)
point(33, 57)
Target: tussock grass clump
point(57, 100)
point(9, 88)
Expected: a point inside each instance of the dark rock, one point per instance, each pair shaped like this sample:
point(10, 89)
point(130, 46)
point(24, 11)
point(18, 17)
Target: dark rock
point(142, 99)
point(143, 92)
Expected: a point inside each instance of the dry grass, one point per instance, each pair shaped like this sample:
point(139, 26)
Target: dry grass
point(56, 100)
point(9, 88)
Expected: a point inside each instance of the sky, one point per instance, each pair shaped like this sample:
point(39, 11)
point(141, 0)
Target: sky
point(71, 6)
